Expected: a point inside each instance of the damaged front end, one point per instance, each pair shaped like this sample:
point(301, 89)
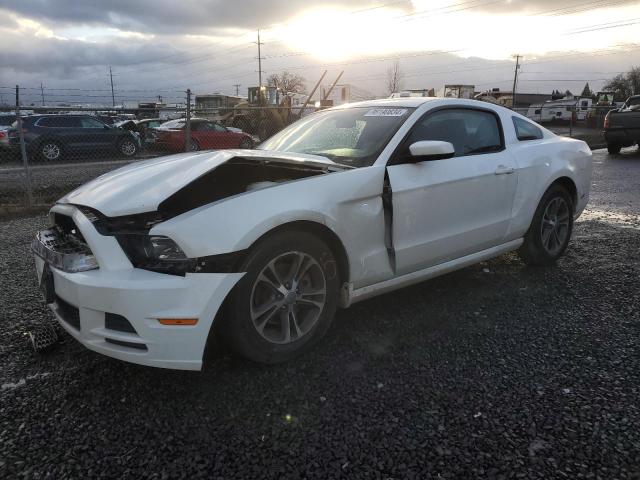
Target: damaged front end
point(237, 176)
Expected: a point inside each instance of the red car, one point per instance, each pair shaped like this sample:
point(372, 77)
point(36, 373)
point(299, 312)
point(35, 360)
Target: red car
point(205, 135)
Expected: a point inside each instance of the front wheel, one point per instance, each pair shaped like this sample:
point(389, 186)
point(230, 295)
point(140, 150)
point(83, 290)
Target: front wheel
point(286, 301)
point(613, 149)
point(550, 231)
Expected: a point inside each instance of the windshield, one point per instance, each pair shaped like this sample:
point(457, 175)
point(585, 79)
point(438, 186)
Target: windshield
point(179, 123)
point(351, 136)
point(633, 101)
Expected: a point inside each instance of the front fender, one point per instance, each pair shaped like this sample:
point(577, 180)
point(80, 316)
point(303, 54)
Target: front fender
point(347, 202)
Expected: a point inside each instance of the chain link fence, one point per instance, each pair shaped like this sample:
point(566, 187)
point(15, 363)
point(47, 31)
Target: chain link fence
point(47, 152)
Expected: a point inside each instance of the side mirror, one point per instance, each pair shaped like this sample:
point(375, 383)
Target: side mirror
point(430, 150)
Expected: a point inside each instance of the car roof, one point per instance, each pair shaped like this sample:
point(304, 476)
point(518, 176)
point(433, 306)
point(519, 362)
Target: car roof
point(415, 102)
point(410, 102)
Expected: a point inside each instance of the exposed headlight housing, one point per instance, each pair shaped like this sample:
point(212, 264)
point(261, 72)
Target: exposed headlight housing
point(156, 253)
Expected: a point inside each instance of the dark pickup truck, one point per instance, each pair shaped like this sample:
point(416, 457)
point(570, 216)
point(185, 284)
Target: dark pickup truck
point(622, 126)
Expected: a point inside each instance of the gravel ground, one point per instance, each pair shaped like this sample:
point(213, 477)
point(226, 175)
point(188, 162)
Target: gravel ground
point(495, 371)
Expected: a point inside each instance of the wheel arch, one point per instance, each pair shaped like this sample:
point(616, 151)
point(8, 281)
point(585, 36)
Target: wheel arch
point(568, 184)
point(321, 231)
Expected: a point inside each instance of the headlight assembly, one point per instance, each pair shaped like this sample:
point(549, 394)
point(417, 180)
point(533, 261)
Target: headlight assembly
point(156, 253)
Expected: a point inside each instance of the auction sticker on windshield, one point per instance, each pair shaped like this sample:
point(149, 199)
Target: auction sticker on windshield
point(386, 112)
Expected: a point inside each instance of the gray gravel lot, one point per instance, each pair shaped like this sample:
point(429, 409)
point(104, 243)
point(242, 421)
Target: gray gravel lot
point(495, 371)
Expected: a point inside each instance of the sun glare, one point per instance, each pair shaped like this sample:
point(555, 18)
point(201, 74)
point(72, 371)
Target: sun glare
point(333, 34)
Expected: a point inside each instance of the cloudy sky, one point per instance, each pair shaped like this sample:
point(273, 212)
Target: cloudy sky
point(162, 47)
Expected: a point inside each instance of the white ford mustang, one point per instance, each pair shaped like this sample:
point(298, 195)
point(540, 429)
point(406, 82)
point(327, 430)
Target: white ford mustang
point(143, 263)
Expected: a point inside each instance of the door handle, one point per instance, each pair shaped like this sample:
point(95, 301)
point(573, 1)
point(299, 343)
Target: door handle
point(504, 170)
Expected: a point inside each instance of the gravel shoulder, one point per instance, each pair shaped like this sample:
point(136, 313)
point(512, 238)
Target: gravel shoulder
point(495, 371)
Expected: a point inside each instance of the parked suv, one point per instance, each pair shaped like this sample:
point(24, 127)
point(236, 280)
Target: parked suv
point(52, 137)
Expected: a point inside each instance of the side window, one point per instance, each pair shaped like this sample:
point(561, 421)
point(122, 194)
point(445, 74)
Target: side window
point(44, 122)
point(90, 123)
point(526, 130)
point(200, 126)
point(219, 128)
point(469, 131)
point(55, 121)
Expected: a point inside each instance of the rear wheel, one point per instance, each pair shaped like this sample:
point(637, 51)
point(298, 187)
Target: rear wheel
point(50, 150)
point(193, 145)
point(246, 143)
point(613, 149)
point(550, 230)
point(287, 299)
point(127, 147)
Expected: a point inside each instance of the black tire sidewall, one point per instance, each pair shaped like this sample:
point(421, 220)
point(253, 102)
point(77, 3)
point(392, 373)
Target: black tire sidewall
point(532, 249)
point(246, 143)
point(614, 149)
point(239, 330)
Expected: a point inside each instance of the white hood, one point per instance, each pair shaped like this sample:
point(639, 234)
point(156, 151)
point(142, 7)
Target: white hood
point(141, 186)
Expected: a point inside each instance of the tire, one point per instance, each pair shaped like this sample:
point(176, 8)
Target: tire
point(259, 323)
point(550, 230)
point(50, 150)
point(193, 145)
point(246, 143)
point(613, 149)
point(127, 147)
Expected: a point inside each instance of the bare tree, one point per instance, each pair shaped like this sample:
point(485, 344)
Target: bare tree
point(625, 85)
point(394, 77)
point(287, 82)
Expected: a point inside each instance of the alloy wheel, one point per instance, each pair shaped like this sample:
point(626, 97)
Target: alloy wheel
point(288, 297)
point(51, 151)
point(128, 148)
point(555, 225)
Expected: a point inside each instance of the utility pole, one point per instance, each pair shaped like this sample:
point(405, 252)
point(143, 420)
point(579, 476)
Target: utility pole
point(259, 61)
point(113, 97)
point(42, 91)
point(23, 150)
point(237, 85)
point(187, 127)
point(515, 82)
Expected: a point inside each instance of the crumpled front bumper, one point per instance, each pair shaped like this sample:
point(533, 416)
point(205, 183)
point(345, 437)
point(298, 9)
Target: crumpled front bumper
point(83, 300)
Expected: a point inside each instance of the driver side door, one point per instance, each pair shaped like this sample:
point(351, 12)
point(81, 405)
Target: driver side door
point(446, 209)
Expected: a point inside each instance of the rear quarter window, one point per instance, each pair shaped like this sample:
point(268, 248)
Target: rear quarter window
point(526, 130)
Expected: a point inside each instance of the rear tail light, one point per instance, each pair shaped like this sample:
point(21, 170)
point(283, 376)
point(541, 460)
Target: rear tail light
point(3, 134)
point(606, 121)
